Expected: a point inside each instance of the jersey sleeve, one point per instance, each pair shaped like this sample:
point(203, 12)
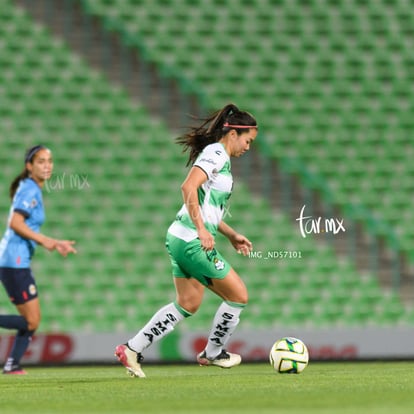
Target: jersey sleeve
point(211, 160)
point(25, 200)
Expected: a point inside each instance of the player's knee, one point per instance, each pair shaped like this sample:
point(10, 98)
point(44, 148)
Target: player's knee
point(32, 326)
point(239, 296)
point(192, 307)
point(243, 299)
point(189, 305)
point(33, 323)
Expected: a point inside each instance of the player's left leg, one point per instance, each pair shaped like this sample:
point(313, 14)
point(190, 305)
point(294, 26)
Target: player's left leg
point(234, 292)
point(30, 314)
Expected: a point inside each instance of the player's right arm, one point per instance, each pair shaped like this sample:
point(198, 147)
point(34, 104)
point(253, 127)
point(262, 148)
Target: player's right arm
point(189, 189)
point(17, 224)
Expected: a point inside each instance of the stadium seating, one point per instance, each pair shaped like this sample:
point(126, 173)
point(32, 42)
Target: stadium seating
point(331, 84)
point(117, 171)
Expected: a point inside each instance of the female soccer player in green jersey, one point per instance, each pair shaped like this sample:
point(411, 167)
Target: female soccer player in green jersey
point(196, 264)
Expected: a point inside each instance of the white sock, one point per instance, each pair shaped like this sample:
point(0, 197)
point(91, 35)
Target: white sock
point(224, 324)
point(160, 325)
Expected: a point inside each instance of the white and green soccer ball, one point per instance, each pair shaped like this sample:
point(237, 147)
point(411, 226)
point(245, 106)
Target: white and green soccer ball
point(289, 356)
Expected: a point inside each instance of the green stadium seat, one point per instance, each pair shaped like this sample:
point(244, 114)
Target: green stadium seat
point(321, 105)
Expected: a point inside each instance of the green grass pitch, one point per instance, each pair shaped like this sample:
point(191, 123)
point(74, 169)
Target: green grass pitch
point(346, 387)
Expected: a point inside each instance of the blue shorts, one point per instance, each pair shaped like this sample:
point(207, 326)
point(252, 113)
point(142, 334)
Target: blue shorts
point(19, 284)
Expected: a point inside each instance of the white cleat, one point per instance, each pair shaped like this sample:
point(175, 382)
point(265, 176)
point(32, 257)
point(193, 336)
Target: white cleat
point(223, 360)
point(130, 360)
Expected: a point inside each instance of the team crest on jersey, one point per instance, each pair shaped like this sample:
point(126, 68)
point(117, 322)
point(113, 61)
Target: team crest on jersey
point(32, 204)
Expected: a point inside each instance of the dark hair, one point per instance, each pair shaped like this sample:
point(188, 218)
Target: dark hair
point(213, 128)
point(30, 153)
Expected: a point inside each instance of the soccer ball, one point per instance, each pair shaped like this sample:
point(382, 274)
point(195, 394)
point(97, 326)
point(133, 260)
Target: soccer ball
point(289, 356)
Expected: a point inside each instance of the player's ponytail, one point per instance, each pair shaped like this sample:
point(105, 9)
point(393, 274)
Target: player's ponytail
point(15, 183)
point(30, 153)
point(213, 128)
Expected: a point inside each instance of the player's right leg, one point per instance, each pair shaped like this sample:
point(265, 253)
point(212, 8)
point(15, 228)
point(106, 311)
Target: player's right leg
point(160, 325)
point(189, 297)
point(130, 359)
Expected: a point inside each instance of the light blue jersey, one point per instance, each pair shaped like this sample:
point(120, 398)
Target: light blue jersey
point(15, 251)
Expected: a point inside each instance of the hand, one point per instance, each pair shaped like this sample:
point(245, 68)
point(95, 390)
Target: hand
point(242, 244)
point(48, 243)
point(64, 247)
point(206, 239)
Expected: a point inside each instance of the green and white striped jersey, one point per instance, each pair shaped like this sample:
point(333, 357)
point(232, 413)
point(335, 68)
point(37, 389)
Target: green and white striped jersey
point(212, 195)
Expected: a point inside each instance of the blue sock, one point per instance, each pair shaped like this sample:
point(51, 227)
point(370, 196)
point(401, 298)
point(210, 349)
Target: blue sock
point(20, 345)
point(13, 322)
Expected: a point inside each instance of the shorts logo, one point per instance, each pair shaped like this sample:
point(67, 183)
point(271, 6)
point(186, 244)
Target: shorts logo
point(218, 264)
point(212, 257)
point(32, 289)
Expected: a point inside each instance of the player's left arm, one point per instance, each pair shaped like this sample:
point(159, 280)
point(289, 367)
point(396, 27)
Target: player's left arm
point(241, 243)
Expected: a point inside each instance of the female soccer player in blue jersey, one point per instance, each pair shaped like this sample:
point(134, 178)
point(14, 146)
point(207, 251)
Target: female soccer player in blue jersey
point(17, 248)
point(196, 263)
